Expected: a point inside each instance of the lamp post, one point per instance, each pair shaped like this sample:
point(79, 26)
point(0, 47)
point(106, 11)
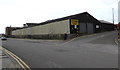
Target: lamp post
point(113, 14)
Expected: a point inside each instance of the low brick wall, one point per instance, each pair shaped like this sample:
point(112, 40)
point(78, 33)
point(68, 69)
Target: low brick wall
point(47, 36)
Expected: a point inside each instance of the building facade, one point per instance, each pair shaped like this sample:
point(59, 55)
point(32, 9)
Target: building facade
point(106, 26)
point(78, 24)
point(9, 30)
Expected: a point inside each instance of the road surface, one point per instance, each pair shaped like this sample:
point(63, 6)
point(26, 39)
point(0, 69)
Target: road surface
point(91, 51)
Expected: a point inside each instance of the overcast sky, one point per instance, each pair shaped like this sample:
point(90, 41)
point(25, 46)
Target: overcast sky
point(18, 12)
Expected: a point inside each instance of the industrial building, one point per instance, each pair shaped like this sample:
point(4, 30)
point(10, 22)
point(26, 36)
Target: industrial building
point(73, 25)
point(9, 30)
point(106, 26)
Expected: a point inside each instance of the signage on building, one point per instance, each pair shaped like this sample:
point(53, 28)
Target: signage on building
point(74, 22)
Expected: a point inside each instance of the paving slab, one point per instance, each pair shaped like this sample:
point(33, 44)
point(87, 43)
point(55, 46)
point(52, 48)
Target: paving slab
point(7, 62)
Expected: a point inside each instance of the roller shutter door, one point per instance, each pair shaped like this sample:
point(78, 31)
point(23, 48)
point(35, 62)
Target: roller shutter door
point(90, 28)
point(83, 28)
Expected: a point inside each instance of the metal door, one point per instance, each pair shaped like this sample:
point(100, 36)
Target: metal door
point(90, 28)
point(83, 28)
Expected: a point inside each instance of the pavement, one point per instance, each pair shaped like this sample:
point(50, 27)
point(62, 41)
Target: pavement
point(7, 62)
point(118, 41)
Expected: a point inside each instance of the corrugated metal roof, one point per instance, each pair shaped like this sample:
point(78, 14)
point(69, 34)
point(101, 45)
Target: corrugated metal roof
point(81, 16)
point(84, 17)
point(103, 21)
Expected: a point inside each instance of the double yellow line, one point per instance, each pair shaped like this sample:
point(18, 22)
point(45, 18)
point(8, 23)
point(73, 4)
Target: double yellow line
point(17, 59)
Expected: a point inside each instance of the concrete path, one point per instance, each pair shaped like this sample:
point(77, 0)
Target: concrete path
point(6, 62)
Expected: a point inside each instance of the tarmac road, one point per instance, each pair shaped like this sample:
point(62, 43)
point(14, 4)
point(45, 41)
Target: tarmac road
point(91, 51)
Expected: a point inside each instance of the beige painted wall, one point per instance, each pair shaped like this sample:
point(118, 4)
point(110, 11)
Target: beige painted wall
point(59, 27)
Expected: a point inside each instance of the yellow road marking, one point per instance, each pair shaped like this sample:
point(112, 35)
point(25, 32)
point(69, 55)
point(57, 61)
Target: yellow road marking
point(19, 61)
point(16, 60)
